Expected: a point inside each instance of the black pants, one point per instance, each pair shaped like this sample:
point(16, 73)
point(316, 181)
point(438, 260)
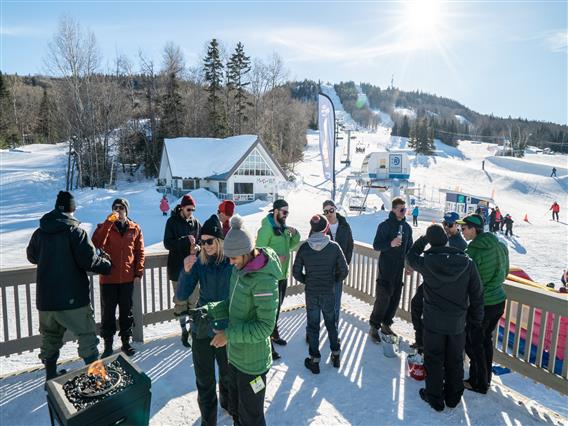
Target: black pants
point(325, 304)
point(248, 405)
point(415, 220)
point(555, 214)
point(204, 358)
point(416, 309)
point(509, 231)
point(111, 296)
point(282, 284)
point(479, 347)
point(386, 302)
point(443, 360)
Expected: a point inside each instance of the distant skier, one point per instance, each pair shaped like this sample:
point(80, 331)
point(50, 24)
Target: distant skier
point(483, 165)
point(492, 220)
point(508, 225)
point(415, 213)
point(555, 210)
point(553, 174)
point(164, 206)
point(498, 219)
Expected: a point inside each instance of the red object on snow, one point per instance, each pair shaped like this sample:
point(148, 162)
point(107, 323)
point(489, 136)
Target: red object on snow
point(164, 205)
point(518, 272)
point(416, 368)
point(555, 207)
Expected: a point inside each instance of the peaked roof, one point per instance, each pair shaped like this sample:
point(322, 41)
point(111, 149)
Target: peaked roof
point(206, 157)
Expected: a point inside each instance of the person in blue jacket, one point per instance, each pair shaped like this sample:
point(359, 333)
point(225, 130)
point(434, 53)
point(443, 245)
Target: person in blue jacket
point(212, 271)
point(415, 213)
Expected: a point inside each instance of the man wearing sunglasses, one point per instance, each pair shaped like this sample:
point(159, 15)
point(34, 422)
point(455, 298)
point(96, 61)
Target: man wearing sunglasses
point(281, 238)
point(180, 236)
point(340, 232)
point(455, 240)
point(121, 238)
point(393, 239)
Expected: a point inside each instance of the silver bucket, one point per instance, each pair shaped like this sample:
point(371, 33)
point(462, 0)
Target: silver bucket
point(390, 345)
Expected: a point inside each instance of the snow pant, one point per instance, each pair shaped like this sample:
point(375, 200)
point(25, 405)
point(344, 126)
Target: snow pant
point(248, 404)
point(204, 358)
point(416, 309)
point(443, 361)
point(113, 295)
point(181, 306)
point(415, 220)
point(386, 301)
point(282, 284)
point(555, 215)
point(509, 231)
point(479, 347)
point(325, 304)
point(338, 294)
point(80, 321)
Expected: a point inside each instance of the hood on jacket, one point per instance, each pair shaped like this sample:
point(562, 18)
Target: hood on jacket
point(340, 219)
point(484, 240)
point(270, 264)
point(446, 264)
point(393, 218)
point(56, 221)
point(318, 241)
point(270, 219)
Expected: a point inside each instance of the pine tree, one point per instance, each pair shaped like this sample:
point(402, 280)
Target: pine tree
point(237, 69)
point(404, 128)
point(45, 126)
point(394, 131)
point(171, 123)
point(413, 136)
point(214, 71)
point(8, 129)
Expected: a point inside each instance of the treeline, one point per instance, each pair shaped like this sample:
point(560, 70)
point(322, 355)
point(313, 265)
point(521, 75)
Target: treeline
point(448, 119)
point(120, 115)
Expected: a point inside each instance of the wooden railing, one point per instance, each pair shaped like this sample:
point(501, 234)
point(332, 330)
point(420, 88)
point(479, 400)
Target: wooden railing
point(542, 315)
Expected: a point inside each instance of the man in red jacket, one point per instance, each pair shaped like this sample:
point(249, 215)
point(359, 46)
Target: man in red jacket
point(555, 210)
point(122, 240)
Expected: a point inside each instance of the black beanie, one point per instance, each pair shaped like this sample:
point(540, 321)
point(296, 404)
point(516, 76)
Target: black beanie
point(213, 227)
point(318, 223)
point(121, 202)
point(436, 236)
point(278, 204)
point(65, 202)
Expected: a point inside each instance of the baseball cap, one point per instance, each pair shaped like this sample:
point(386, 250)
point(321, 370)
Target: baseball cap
point(473, 220)
point(451, 217)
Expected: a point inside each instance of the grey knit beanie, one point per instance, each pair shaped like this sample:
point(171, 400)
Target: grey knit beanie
point(238, 240)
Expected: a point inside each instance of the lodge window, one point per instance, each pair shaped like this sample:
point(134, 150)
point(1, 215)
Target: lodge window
point(243, 188)
point(190, 184)
point(222, 187)
point(254, 165)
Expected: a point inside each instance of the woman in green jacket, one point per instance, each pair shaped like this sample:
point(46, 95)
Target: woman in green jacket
point(245, 321)
point(492, 260)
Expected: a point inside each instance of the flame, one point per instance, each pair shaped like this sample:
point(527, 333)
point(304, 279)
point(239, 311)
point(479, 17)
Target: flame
point(98, 370)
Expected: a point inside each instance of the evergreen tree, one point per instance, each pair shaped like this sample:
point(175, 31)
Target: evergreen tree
point(45, 123)
point(8, 129)
point(171, 123)
point(404, 128)
point(237, 69)
point(413, 136)
point(394, 131)
point(422, 137)
point(214, 71)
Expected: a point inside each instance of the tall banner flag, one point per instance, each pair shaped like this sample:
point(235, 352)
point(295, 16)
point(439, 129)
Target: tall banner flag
point(326, 124)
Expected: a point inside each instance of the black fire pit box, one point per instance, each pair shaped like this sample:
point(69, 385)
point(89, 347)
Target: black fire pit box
point(130, 406)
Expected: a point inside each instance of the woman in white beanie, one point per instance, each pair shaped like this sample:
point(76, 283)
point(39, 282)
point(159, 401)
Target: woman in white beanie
point(245, 321)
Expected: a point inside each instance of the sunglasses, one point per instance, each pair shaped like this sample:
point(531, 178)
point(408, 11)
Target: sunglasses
point(284, 212)
point(118, 207)
point(329, 211)
point(208, 241)
point(402, 210)
point(449, 225)
point(189, 209)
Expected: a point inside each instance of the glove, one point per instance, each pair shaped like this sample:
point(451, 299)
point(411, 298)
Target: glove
point(113, 217)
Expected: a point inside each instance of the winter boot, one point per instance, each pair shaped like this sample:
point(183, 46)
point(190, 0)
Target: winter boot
point(51, 369)
point(277, 339)
point(127, 347)
point(374, 334)
point(185, 339)
point(335, 360)
point(438, 406)
point(385, 329)
point(108, 347)
point(312, 365)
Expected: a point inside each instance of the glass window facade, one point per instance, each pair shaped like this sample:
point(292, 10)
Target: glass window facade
point(254, 165)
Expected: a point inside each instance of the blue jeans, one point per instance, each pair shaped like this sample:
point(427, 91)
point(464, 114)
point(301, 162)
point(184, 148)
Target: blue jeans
point(338, 292)
point(324, 303)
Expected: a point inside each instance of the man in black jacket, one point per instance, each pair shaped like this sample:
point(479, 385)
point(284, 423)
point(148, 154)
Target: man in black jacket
point(393, 239)
point(180, 236)
point(63, 254)
point(451, 286)
point(319, 264)
point(340, 232)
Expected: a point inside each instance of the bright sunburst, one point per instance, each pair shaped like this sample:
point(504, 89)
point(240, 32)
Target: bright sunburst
point(423, 21)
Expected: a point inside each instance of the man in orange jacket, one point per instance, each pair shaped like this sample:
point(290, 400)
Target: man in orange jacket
point(122, 240)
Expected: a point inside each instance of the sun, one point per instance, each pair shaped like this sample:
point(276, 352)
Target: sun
point(423, 20)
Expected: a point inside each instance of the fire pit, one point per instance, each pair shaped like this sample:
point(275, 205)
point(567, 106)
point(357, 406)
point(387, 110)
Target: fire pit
point(110, 391)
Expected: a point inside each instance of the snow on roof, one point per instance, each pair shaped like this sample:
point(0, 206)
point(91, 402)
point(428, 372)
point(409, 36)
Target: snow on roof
point(204, 157)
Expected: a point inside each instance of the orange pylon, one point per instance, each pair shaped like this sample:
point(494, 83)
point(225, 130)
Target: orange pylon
point(526, 219)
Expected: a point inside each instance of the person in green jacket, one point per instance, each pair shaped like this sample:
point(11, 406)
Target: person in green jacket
point(245, 321)
point(492, 260)
point(274, 233)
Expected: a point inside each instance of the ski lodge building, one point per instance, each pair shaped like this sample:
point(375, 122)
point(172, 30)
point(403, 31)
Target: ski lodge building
point(237, 168)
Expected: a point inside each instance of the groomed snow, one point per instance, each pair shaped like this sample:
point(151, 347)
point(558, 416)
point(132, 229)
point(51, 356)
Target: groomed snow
point(205, 157)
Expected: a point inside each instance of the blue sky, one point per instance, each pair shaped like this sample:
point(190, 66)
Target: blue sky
point(505, 58)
